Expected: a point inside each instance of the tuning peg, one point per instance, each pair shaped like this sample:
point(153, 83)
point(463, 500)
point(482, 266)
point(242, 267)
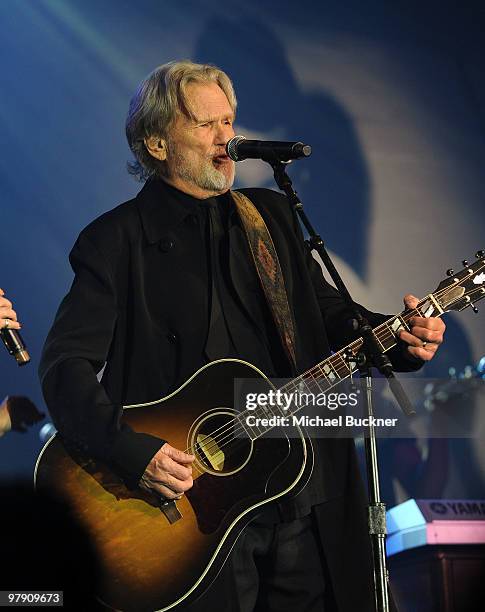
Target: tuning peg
point(474, 308)
point(465, 263)
point(450, 272)
point(480, 254)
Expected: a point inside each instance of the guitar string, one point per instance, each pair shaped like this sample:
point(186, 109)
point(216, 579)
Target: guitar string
point(386, 335)
point(237, 442)
point(218, 442)
point(228, 428)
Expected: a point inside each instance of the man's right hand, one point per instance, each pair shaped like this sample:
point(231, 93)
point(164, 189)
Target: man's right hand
point(169, 473)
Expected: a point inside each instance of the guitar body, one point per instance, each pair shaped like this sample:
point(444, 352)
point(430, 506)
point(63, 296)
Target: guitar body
point(147, 562)
point(158, 558)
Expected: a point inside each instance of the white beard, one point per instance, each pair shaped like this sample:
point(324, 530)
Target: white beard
point(207, 177)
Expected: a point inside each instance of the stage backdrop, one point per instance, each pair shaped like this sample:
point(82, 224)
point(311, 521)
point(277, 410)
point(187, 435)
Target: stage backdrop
point(391, 97)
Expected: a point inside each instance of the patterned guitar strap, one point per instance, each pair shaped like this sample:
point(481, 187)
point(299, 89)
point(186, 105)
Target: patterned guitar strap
point(269, 271)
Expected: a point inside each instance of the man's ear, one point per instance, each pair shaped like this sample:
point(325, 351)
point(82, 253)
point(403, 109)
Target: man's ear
point(157, 147)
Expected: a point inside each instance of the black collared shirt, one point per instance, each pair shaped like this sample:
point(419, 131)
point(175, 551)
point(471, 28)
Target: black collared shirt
point(257, 342)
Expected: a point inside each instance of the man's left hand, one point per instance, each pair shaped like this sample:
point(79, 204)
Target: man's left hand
point(426, 333)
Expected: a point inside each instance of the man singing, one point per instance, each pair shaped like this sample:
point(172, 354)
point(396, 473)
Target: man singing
point(166, 283)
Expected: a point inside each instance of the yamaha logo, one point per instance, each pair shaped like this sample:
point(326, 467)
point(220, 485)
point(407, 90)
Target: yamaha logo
point(454, 509)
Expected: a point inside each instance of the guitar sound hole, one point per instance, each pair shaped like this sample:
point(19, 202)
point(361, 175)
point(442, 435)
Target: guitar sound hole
point(220, 442)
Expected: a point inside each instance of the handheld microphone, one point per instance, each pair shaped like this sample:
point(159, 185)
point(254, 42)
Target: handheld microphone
point(238, 149)
point(15, 345)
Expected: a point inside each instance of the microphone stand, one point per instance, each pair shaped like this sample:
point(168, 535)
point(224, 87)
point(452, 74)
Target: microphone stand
point(369, 356)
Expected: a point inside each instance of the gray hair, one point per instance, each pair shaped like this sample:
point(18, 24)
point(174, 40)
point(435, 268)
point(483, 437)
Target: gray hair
point(155, 105)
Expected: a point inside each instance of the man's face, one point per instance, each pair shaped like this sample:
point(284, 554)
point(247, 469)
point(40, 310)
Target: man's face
point(196, 160)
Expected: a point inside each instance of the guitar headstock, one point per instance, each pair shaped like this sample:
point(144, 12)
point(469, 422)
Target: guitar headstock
point(464, 289)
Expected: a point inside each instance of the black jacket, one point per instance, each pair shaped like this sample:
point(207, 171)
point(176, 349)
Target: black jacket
point(139, 304)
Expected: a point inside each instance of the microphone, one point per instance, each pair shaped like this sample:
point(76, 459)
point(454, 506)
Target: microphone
point(238, 149)
point(15, 345)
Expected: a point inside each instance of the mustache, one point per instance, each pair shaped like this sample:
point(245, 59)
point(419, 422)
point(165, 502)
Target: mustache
point(220, 153)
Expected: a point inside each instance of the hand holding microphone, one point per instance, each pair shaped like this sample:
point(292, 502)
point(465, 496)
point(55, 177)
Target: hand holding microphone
point(9, 333)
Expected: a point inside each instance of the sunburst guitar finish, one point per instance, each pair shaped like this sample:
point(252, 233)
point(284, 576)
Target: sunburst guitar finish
point(156, 558)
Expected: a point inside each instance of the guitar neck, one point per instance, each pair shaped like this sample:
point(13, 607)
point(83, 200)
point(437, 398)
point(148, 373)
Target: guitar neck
point(339, 366)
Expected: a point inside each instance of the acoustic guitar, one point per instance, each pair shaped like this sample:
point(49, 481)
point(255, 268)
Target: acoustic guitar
point(161, 555)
